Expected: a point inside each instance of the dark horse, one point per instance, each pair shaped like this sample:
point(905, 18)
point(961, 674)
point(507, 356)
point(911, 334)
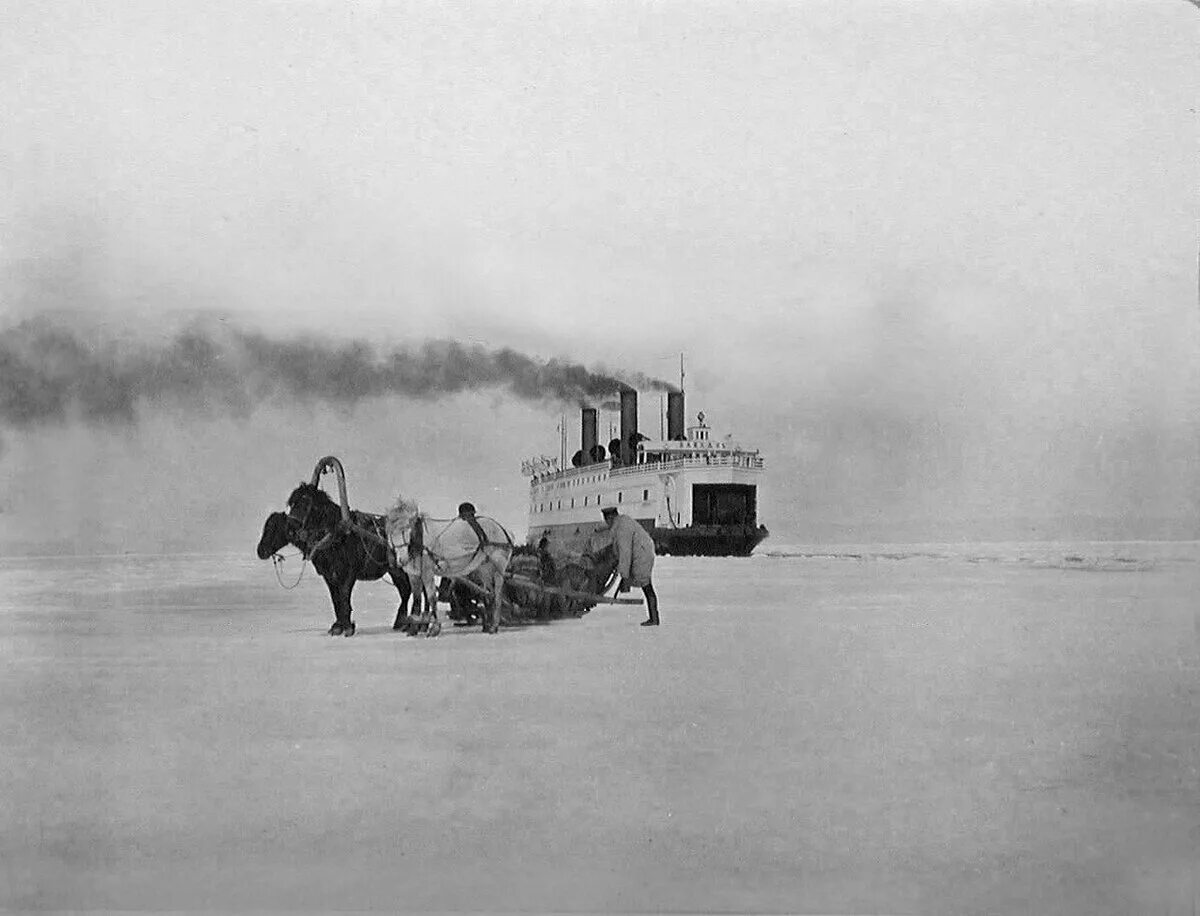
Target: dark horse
point(340, 555)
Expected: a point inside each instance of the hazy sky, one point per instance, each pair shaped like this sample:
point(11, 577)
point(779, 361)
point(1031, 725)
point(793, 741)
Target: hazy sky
point(938, 261)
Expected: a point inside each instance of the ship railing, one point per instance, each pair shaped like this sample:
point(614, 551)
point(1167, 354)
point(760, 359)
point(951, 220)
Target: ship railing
point(573, 472)
point(751, 462)
point(694, 461)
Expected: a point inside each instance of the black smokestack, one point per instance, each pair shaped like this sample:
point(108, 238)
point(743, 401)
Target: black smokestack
point(629, 424)
point(49, 373)
point(588, 433)
point(675, 417)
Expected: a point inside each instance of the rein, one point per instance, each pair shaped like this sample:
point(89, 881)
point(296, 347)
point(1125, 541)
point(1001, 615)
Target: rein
point(320, 545)
point(277, 560)
point(307, 553)
point(305, 535)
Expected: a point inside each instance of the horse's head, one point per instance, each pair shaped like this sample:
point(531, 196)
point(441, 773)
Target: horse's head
point(276, 533)
point(310, 508)
point(404, 525)
point(402, 515)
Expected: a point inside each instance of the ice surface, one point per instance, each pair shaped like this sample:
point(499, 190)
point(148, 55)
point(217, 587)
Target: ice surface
point(975, 729)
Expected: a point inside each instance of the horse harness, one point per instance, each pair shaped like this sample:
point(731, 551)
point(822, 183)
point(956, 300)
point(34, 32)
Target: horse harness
point(327, 537)
point(416, 539)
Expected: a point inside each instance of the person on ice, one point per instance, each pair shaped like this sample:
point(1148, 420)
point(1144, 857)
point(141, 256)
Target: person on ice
point(635, 558)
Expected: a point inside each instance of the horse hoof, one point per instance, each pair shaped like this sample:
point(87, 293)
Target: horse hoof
point(349, 630)
point(435, 629)
point(336, 630)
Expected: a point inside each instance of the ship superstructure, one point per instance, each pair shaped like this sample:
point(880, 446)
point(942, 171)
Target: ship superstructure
point(695, 493)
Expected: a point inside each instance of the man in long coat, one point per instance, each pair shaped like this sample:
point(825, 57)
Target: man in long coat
point(635, 558)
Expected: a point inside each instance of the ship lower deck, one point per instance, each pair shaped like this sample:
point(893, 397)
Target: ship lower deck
point(691, 540)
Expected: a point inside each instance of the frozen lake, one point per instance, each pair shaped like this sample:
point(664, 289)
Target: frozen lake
point(967, 729)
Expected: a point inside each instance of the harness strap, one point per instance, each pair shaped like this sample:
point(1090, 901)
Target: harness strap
point(477, 528)
point(416, 539)
point(320, 545)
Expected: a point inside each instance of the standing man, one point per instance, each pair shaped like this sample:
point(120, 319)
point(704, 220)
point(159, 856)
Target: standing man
point(635, 558)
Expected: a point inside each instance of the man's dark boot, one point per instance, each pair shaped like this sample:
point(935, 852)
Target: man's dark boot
point(652, 607)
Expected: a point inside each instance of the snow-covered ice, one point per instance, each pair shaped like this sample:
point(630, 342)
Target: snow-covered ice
point(941, 729)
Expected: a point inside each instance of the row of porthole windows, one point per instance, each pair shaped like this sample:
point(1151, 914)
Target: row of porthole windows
point(550, 506)
point(578, 482)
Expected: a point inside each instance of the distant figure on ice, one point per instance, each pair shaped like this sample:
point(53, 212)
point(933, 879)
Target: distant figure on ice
point(635, 558)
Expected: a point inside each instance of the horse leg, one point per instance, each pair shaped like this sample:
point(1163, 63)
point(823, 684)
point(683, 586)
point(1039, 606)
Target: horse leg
point(338, 627)
point(429, 618)
point(347, 588)
point(435, 626)
point(418, 596)
point(404, 587)
point(418, 621)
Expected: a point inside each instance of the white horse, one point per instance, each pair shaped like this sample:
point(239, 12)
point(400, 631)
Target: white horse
point(455, 548)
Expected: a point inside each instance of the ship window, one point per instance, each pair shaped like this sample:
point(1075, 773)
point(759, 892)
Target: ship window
point(645, 494)
point(585, 500)
point(619, 495)
point(572, 503)
point(560, 504)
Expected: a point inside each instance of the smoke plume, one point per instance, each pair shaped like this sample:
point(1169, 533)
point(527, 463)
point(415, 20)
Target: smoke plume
point(50, 373)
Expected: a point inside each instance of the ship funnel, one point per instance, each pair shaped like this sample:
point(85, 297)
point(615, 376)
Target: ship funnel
point(629, 425)
point(588, 434)
point(675, 421)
